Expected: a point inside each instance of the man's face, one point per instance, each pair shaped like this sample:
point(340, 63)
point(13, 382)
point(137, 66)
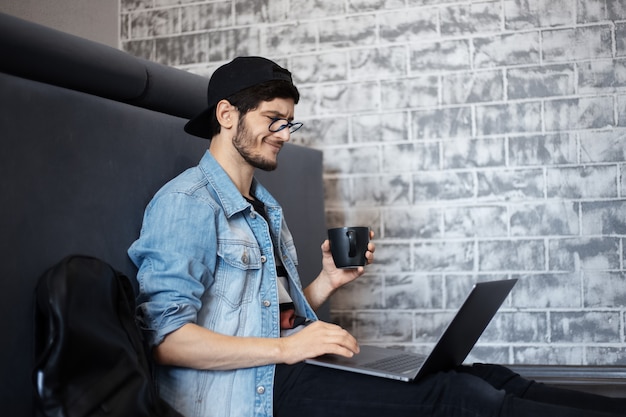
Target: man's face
point(255, 142)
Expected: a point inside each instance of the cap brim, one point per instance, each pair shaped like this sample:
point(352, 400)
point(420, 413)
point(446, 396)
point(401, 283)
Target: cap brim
point(199, 125)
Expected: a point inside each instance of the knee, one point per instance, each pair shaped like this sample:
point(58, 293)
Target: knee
point(500, 377)
point(466, 391)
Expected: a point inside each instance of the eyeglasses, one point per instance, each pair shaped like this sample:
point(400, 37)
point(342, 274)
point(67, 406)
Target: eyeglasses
point(279, 124)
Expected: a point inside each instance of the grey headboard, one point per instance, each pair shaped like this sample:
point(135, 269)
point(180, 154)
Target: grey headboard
point(88, 134)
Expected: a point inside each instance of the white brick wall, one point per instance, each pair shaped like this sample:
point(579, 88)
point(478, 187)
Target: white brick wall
point(479, 139)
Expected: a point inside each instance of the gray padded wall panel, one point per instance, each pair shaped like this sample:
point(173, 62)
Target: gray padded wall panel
point(76, 173)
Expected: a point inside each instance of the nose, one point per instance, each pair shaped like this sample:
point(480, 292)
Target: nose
point(283, 134)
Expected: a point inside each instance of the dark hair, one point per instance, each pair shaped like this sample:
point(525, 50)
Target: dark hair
point(250, 98)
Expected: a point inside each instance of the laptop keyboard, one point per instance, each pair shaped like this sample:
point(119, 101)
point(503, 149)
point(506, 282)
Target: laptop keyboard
point(397, 363)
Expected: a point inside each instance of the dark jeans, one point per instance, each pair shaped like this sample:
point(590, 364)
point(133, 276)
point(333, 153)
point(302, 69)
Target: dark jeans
point(480, 390)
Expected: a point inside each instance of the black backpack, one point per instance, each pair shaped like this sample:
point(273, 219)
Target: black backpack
point(91, 359)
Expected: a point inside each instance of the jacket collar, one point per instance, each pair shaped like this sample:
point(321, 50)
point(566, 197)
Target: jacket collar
point(229, 196)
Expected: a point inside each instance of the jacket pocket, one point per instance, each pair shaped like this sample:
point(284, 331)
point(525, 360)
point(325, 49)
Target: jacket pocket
point(239, 266)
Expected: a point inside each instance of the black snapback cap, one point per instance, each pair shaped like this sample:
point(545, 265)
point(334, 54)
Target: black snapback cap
point(237, 75)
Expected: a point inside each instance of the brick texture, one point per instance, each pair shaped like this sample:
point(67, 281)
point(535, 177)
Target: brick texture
point(479, 139)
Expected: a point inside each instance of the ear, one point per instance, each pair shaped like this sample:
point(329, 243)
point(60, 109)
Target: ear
point(226, 114)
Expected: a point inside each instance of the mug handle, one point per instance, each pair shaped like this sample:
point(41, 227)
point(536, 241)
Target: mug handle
point(352, 241)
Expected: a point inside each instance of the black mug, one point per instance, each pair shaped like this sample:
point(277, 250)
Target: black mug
point(348, 246)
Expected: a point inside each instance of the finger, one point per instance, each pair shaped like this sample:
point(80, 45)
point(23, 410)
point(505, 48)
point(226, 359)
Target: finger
point(345, 345)
point(333, 330)
point(351, 344)
point(342, 351)
point(338, 340)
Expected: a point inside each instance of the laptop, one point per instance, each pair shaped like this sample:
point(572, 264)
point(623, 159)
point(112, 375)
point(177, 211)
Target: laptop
point(450, 351)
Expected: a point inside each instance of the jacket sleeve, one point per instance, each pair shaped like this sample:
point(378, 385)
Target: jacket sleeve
point(175, 257)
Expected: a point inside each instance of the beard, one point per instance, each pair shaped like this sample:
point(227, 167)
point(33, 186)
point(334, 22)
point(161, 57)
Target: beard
point(245, 144)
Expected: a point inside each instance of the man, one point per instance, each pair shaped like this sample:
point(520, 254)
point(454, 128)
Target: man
point(221, 302)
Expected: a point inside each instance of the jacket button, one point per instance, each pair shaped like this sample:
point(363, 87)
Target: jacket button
point(260, 390)
point(263, 258)
point(267, 303)
point(244, 258)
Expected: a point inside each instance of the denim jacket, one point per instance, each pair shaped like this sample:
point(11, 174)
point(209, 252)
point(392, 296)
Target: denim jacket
point(206, 257)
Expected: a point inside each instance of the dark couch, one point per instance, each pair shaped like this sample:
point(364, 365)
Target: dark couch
point(89, 133)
